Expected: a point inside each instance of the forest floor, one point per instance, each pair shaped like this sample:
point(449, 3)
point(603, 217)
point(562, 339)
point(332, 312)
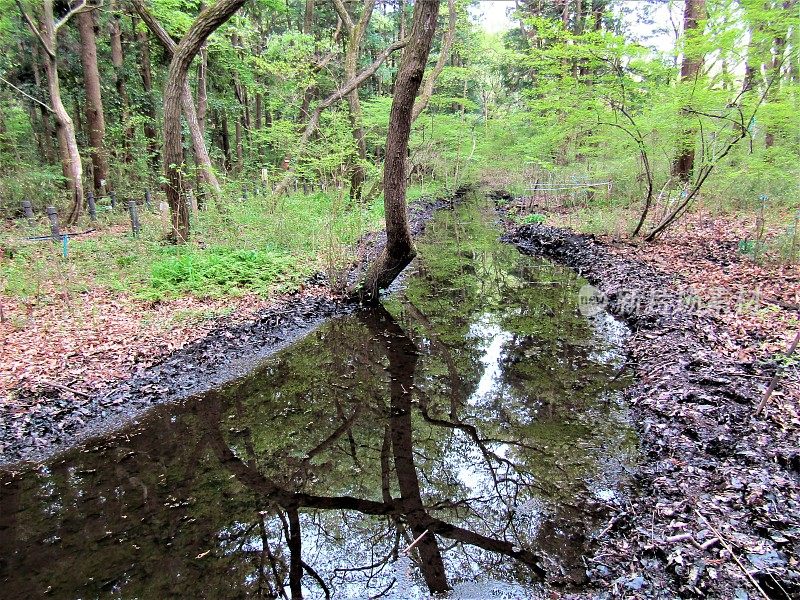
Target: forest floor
point(714, 504)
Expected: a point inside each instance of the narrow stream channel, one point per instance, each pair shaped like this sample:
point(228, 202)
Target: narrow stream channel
point(478, 404)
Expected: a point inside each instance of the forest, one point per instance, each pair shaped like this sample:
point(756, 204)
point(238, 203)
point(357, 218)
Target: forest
point(442, 298)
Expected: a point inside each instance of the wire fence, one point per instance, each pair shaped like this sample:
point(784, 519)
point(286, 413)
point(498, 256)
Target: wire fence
point(549, 190)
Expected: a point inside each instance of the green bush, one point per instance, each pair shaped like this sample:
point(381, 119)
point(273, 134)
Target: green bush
point(531, 219)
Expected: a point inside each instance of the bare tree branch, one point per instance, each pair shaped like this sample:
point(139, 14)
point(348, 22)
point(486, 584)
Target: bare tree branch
point(82, 7)
point(35, 30)
point(28, 96)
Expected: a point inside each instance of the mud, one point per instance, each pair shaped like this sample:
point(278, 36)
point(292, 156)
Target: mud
point(715, 483)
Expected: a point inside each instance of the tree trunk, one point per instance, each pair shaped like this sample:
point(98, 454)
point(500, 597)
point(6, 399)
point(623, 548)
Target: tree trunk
point(224, 137)
point(118, 60)
point(308, 17)
point(206, 170)
point(202, 90)
point(259, 112)
point(774, 72)
point(239, 148)
point(95, 119)
point(146, 73)
point(71, 164)
point(355, 35)
point(427, 87)
point(683, 165)
point(47, 128)
point(444, 55)
point(399, 249)
point(174, 92)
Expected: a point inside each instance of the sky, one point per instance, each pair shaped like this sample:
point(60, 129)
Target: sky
point(658, 33)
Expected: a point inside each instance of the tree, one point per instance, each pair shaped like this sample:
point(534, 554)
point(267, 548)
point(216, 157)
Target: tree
point(149, 103)
point(118, 61)
point(427, 87)
point(399, 249)
point(206, 169)
point(694, 14)
point(444, 55)
point(95, 118)
point(355, 34)
point(174, 92)
point(46, 33)
point(335, 97)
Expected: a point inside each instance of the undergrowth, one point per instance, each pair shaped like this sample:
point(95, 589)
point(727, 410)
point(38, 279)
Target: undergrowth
point(238, 246)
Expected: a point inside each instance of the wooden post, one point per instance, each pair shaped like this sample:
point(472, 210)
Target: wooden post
point(147, 200)
point(92, 206)
point(113, 197)
point(27, 209)
point(55, 230)
point(134, 212)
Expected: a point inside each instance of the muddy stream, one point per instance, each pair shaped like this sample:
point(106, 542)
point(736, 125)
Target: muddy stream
point(477, 416)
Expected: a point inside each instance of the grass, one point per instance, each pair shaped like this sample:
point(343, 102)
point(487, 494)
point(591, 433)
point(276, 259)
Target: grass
point(237, 247)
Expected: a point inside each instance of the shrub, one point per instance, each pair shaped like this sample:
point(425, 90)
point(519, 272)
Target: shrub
point(221, 271)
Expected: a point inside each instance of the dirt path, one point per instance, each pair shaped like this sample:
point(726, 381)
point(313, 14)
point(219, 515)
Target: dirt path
point(716, 485)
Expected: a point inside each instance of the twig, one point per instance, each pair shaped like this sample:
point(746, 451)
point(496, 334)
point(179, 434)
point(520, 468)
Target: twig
point(774, 381)
point(64, 388)
point(730, 550)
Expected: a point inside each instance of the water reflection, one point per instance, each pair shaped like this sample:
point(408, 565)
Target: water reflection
point(475, 413)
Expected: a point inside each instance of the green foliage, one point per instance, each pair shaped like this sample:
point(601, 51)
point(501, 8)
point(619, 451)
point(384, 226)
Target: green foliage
point(531, 219)
point(221, 271)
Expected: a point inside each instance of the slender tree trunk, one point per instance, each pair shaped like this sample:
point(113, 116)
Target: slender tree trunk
point(146, 72)
point(118, 60)
point(71, 163)
point(259, 112)
point(174, 93)
point(355, 35)
point(399, 249)
point(444, 55)
point(202, 90)
point(47, 127)
point(239, 145)
point(308, 17)
point(95, 118)
point(694, 12)
point(778, 50)
point(225, 139)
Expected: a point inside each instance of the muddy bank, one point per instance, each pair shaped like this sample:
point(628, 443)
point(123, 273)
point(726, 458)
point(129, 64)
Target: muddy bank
point(37, 426)
point(716, 485)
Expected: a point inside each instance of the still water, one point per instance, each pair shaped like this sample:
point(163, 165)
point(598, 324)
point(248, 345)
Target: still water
point(475, 416)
